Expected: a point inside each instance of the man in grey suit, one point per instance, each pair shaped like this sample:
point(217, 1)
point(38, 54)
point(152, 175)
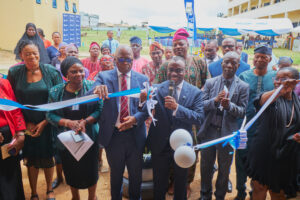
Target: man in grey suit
point(123, 131)
point(222, 109)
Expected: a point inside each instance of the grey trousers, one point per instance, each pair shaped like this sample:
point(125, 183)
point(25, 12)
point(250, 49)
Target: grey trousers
point(208, 158)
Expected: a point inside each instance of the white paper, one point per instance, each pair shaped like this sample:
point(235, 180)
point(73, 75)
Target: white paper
point(77, 149)
point(226, 93)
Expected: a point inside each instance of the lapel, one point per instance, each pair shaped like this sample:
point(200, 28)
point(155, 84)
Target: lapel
point(115, 83)
point(163, 92)
point(218, 85)
point(233, 86)
point(183, 94)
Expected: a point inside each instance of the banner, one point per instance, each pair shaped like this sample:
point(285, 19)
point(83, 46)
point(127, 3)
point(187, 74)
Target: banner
point(191, 18)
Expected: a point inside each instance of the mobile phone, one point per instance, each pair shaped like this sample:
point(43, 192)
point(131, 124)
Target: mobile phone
point(77, 137)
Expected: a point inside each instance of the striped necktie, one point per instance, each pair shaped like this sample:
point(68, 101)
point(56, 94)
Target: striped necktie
point(124, 100)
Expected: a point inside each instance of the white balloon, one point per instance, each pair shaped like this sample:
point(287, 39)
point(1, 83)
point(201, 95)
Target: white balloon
point(184, 156)
point(180, 137)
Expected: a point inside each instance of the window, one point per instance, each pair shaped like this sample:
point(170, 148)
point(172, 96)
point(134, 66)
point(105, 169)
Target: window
point(54, 4)
point(74, 8)
point(38, 1)
point(66, 5)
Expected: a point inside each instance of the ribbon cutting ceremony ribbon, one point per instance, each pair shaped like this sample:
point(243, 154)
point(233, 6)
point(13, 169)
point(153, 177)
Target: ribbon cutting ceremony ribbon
point(238, 139)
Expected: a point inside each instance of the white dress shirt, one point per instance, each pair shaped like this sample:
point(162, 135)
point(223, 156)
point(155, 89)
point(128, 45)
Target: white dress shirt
point(128, 76)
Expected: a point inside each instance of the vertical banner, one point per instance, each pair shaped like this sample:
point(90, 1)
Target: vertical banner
point(191, 18)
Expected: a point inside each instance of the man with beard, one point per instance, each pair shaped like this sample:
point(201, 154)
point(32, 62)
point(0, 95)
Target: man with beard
point(228, 44)
point(138, 61)
point(181, 109)
point(222, 110)
point(150, 69)
point(259, 80)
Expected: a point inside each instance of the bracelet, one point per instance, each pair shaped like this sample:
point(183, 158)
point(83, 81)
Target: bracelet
point(20, 134)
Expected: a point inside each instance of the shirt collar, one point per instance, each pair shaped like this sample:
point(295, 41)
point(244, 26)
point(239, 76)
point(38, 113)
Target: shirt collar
point(179, 86)
point(229, 80)
point(128, 73)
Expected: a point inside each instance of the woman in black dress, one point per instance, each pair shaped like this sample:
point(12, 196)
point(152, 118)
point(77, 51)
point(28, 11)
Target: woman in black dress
point(80, 174)
point(271, 161)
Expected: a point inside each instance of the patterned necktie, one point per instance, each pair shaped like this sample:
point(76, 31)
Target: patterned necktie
point(175, 95)
point(124, 100)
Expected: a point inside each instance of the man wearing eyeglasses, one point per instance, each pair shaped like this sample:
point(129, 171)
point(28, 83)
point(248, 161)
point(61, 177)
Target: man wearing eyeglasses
point(228, 44)
point(259, 80)
point(123, 131)
point(179, 106)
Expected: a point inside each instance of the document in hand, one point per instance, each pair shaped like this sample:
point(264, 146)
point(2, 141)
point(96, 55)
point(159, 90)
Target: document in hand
point(77, 149)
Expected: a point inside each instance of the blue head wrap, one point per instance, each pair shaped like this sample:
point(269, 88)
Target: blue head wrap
point(136, 40)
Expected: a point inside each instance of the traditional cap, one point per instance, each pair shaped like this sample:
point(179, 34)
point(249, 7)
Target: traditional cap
point(157, 45)
point(285, 59)
point(181, 34)
point(264, 49)
point(67, 63)
point(136, 40)
point(71, 45)
point(94, 44)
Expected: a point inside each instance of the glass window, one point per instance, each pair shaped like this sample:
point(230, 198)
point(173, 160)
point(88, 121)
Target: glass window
point(66, 5)
point(38, 1)
point(54, 4)
point(74, 8)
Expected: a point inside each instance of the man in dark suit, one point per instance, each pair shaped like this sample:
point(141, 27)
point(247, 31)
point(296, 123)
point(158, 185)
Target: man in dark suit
point(123, 131)
point(228, 44)
point(182, 109)
point(219, 122)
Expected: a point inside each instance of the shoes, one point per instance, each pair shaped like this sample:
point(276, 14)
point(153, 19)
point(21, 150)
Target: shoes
point(188, 191)
point(47, 193)
point(56, 183)
point(34, 197)
point(229, 189)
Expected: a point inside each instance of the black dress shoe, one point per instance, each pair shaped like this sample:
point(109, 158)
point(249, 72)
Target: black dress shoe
point(56, 183)
point(229, 189)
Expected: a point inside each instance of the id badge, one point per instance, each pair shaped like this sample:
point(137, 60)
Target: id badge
point(75, 107)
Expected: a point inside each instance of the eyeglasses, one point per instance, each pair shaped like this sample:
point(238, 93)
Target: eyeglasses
point(280, 79)
point(122, 60)
point(177, 70)
point(228, 46)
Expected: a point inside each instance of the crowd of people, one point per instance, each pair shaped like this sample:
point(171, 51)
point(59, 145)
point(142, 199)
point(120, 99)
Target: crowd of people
point(209, 97)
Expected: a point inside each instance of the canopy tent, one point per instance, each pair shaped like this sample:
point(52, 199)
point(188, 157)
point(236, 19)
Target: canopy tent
point(296, 30)
point(235, 26)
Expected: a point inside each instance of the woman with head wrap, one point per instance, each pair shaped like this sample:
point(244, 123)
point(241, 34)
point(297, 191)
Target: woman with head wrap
point(151, 69)
point(106, 63)
point(272, 155)
point(31, 34)
point(92, 63)
point(31, 83)
point(82, 118)
point(53, 50)
point(105, 50)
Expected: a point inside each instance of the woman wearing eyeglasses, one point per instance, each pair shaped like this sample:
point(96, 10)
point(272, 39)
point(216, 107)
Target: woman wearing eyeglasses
point(272, 156)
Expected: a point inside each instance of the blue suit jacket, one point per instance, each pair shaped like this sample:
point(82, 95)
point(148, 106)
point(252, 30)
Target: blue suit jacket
point(110, 112)
point(244, 57)
point(215, 68)
point(190, 111)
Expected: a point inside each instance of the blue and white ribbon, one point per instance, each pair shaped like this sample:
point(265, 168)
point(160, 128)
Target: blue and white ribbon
point(9, 105)
point(238, 139)
point(151, 91)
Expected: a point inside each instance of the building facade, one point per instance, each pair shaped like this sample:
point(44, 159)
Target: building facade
point(265, 9)
point(45, 14)
point(89, 20)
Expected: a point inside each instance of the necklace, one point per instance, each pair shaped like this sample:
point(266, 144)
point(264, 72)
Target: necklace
point(34, 70)
point(292, 115)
